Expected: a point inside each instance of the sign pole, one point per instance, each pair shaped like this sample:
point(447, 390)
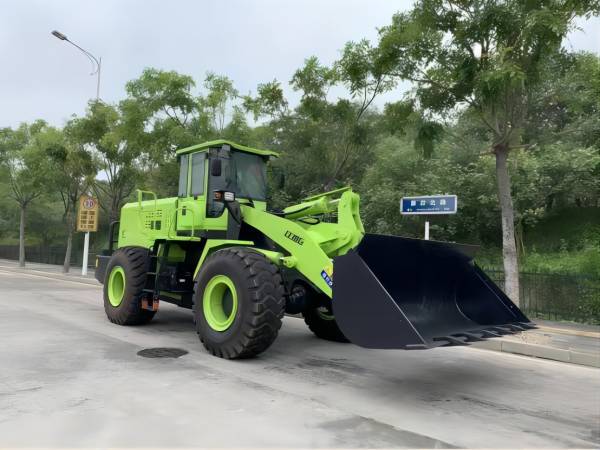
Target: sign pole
point(87, 220)
point(86, 247)
point(426, 230)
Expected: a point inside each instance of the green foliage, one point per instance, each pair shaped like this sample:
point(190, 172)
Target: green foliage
point(220, 93)
point(104, 133)
point(476, 83)
point(269, 102)
point(468, 53)
point(24, 161)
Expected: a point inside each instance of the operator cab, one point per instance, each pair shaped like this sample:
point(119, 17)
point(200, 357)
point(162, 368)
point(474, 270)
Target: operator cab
point(206, 171)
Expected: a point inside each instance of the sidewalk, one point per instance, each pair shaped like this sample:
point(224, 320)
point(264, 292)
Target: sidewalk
point(560, 341)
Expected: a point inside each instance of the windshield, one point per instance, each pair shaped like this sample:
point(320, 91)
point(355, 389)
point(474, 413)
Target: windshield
point(250, 175)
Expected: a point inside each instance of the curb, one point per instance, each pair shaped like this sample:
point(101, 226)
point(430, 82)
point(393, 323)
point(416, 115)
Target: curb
point(541, 351)
point(592, 334)
point(53, 276)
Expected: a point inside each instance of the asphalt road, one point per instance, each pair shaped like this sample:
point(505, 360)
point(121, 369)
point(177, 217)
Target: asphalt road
point(70, 378)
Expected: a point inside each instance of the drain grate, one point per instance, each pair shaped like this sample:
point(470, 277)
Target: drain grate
point(162, 352)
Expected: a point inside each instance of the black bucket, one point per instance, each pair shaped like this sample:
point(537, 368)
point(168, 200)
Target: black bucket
point(393, 292)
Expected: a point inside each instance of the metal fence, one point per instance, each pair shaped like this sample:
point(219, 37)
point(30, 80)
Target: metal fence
point(554, 296)
point(45, 255)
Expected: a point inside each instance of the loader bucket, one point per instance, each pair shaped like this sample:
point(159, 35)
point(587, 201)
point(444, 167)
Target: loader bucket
point(393, 292)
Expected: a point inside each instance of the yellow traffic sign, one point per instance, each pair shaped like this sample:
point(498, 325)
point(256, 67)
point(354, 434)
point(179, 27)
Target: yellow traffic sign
point(87, 214)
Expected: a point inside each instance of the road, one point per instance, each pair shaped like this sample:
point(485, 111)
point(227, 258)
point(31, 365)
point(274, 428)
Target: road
point(69, 378)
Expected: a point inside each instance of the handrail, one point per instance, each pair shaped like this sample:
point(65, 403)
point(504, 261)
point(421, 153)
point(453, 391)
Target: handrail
point(173, 222)
point(140, 195)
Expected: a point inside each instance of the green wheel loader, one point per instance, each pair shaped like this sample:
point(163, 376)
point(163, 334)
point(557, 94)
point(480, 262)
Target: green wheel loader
point(217, 249)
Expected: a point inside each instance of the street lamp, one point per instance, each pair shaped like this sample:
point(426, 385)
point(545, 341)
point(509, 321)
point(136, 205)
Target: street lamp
point(96, 62)
point(96, 67)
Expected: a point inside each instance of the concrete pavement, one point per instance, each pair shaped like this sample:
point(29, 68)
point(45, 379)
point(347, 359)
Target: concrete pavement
point(559, 341)
point(70, 378)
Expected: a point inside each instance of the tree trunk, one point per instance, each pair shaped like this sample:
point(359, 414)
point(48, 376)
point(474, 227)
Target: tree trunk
point(67, 262)
point(114, 210)
point(22, 237)
point(509, 244)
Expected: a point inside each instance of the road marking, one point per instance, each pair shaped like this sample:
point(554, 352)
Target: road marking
point(8, 271)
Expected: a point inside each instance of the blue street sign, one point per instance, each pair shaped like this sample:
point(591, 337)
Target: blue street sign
point(429, 204)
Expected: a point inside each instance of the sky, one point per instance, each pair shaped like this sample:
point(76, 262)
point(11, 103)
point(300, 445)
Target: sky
point(250, 41)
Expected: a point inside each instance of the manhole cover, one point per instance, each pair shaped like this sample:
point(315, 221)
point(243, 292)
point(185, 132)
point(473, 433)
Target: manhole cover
point(162, 352)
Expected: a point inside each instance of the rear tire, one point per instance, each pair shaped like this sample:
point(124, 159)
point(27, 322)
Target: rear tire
point(320, 320)
point(239, 303)
point(123, 287)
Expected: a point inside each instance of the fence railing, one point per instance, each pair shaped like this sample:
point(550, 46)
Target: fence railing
point(554, 296)
point(45, 255)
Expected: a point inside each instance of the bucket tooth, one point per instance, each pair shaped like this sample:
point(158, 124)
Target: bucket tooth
point(502, 329)
point(471, 337)
point(528, 325)
point(452, 340)
point(490, 333)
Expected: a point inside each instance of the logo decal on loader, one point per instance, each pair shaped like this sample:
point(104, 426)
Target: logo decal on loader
point(327, 278)
point(294, 237)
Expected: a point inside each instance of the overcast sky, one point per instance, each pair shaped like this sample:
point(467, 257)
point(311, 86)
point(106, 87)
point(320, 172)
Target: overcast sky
point(251, 41)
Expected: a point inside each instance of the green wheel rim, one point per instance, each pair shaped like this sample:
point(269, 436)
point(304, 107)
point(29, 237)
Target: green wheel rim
point(220, 302)
point(116, 286)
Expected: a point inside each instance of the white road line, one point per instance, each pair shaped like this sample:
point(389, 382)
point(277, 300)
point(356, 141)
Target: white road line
point(4, 271)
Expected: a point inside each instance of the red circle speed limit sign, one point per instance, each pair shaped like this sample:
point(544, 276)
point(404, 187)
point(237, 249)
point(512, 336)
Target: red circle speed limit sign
point(87, 215)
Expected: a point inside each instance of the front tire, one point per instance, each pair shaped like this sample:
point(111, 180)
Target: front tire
point(123, 287)
point(320, 320)
point(239, 303)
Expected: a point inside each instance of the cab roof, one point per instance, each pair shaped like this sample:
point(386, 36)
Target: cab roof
point(220, 143)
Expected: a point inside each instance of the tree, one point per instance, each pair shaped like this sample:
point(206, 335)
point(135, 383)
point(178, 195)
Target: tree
point(103, 132)
point(358, 72)
point(486, 57)
point(220, 94)
point(75, 164)
point(27, 170)
point(160, 113)
point(269, 101)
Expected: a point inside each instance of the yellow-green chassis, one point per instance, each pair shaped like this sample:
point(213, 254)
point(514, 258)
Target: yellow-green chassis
point(298, 240)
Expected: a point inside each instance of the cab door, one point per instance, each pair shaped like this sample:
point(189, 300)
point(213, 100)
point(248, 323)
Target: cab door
point(216, 216)
point(191, 210)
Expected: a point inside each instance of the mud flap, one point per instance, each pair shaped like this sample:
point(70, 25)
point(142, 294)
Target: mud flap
point(393, 292)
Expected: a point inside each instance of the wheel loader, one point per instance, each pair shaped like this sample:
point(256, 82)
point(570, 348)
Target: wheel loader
point(218, 250)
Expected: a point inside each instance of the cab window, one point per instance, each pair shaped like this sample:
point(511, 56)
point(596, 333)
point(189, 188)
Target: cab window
point(250, 176)
point(183, 175)
point(198, 173)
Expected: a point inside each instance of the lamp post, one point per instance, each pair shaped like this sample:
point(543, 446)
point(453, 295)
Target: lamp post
point(96, 62)
point(97, 68)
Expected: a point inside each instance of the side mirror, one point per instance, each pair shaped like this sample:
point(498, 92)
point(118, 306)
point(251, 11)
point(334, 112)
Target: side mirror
point(215, 167)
